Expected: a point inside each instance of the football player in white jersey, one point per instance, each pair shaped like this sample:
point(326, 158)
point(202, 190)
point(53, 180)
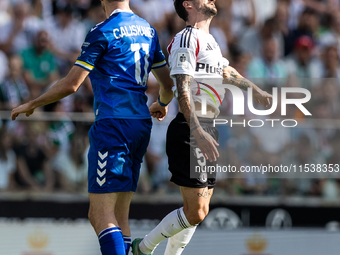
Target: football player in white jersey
point(193, 55)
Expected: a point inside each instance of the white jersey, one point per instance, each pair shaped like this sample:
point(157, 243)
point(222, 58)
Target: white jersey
point(195, 53)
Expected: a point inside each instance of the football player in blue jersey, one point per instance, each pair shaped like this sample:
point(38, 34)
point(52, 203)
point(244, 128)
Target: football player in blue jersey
point(118, 55)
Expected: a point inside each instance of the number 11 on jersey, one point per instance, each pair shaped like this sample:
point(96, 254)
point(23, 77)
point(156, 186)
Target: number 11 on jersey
point(136, 48)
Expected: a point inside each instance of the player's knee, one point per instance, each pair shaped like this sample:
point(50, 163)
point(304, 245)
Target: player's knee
point(203, 212)
point(198, 216)
point(91, 217)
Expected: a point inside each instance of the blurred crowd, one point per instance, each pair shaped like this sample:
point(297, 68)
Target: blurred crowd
point(275, 43)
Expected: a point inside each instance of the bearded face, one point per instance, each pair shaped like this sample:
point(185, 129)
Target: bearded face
point(206, 7)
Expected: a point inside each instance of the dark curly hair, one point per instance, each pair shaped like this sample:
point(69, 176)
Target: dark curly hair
point(181, 11)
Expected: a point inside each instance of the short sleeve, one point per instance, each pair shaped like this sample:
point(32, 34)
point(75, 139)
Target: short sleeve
point(92, 50)
point(159, 58)
point(183, 53)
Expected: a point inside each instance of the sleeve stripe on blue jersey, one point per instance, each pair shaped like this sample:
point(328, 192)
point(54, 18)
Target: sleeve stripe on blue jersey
point(160, 64)
point(84, 65)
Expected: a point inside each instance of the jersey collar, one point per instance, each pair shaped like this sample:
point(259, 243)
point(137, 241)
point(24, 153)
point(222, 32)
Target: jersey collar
point(120, 10)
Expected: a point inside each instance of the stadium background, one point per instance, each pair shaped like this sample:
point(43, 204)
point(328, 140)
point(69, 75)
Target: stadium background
point(43, 200)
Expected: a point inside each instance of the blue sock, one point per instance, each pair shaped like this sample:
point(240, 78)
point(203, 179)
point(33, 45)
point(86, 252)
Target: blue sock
point(127, 242)
point(111, 241)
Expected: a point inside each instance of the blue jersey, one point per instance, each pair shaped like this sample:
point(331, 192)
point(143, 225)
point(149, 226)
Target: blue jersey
point(120, 52)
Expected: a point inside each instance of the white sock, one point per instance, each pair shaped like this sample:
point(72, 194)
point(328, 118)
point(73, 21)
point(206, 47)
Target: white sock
point(171, 224)
point(177, 243)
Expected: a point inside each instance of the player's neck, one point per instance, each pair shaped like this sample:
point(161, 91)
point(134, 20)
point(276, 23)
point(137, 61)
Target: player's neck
point(110, 7)
point(200, 22)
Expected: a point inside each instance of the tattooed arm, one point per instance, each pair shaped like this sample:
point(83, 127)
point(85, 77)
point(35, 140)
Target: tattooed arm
point(205, 142)
point(185, 101)
point(231, 76)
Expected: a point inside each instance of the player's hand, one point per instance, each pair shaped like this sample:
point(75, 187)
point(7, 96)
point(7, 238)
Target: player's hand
point(226, 73)
point(262, 97)
point(207, 144)
point(25, 108)
point(157, 111)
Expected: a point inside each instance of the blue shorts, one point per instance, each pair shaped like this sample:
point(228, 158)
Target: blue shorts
point(117, 147)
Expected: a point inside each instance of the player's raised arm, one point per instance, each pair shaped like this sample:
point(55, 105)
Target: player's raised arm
point(61, 89)
point(231, 76)
point(205, 142)
point(92, 50)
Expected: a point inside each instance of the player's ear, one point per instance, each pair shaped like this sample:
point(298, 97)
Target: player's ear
point(187, 4)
